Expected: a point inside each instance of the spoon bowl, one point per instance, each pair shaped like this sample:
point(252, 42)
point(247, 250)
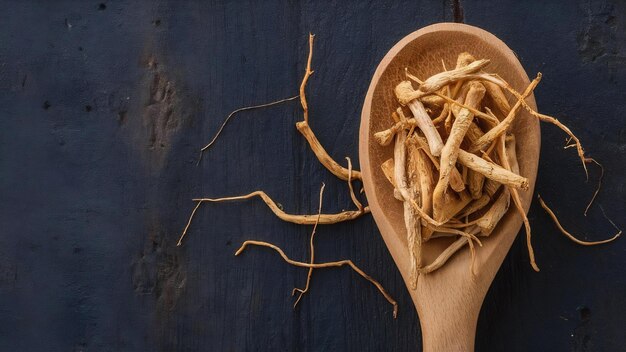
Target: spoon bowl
point(448, 300)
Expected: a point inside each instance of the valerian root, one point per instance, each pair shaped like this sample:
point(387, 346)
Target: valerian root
point(307, 219)
point(569, 235)
point(302, 291)
point(324, 265)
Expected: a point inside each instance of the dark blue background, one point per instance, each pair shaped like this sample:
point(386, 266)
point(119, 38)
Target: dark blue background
point(103, 107)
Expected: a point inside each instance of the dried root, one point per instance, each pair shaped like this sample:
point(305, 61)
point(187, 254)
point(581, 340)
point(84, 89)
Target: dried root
point(492, 171)
point(468, 150)
point(406, 177)
point(422, 120)
point(595, 193)
point(450, 151)
point(323, 219)
point(303, 127)
point(219, 131)
point(324, 265)
point(302, 291)
point(569, 235)
point(503, 126)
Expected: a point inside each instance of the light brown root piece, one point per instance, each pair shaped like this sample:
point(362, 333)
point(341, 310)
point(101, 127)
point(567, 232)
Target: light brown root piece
point(502, 154)
point(445, 255)
point(464, 172)
point(595, 194)
point(433, 101)
point(545, 118)
point(464, 59)
point(475, 180)
point(423, 120)
point(385, 137)
point(450, 150)
point(491, 187)
point(219, 131)
point(456, 181)
point(493, 90)
point(503, 126)
point(427, 184)
point(511, 152)
point(324, 219)
point(557, 123)
point(193, 213)
point(303, 127)
point(477, 113)
point(324, 265)
point(409, 195)
point(312, 249)
point(475, 205)
point(355, 200)
point(491, 119)
point(497, 96)
point(473, 133)
point(442, 79)
point(470, 237)
point(387, 168)
point(328, 162)
point(497, 210)
point(492, 171)
point(569, 235)
point(454, 203)
point(414, 225)
point(518, 205)
point(447, 124)
point(443, 115)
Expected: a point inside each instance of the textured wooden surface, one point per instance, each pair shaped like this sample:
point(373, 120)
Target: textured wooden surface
point(103, 107)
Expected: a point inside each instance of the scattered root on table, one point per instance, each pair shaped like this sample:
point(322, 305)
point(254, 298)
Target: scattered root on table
point(324, 265)
point(344, 173)
point(572, 237)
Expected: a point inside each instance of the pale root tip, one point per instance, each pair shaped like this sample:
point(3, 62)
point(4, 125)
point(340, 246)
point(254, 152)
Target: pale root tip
point(464, 59)
point(383, 138)
point(403, 92)
point(436, 150)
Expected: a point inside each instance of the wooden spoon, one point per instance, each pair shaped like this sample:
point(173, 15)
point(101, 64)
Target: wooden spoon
point(448, 300)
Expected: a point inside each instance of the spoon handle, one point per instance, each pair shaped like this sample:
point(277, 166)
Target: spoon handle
point(441, 335)
point(449, 314)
